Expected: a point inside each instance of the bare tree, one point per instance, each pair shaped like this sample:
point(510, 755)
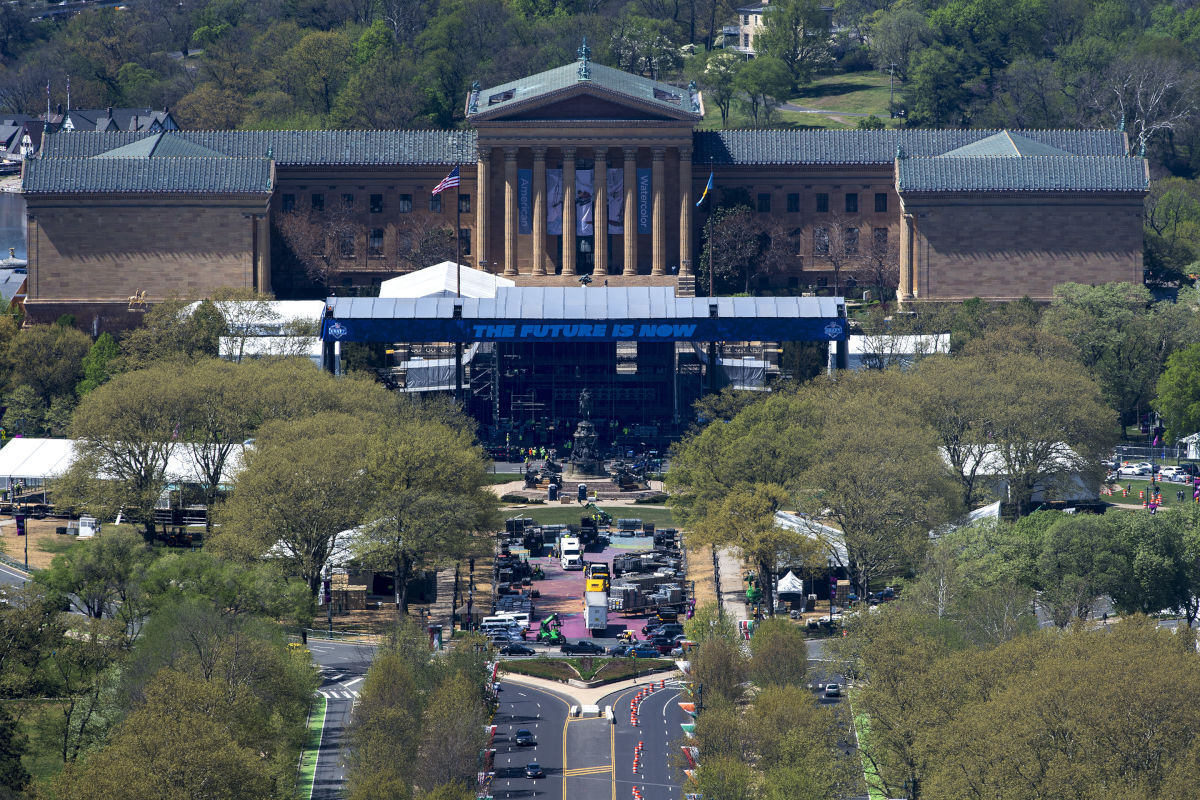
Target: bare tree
point(321, 240)
point(423, 239)
point(838, 243)
point(881, 261)
point(1150, 93)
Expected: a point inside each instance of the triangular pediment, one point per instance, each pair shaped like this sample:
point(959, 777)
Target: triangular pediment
point(595, 93)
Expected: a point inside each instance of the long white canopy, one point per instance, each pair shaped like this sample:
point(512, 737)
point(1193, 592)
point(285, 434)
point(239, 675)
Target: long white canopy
point(34, 460)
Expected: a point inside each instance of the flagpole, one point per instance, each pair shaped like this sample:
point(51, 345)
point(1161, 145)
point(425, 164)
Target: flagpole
point(458, 346)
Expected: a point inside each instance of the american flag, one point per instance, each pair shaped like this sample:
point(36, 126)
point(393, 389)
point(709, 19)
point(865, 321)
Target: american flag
point(448, 182)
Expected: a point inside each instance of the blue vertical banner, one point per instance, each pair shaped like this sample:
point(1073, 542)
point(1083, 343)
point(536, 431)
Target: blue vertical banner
point(644, 200)
point(524, 201)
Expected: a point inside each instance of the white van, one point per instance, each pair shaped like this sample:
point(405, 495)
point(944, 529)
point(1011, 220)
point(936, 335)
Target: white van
point(519, 617)
point(500, 623)
point(570, 552)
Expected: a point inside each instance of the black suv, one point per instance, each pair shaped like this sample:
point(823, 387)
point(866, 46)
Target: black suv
point(583, 647)
point(669, 629)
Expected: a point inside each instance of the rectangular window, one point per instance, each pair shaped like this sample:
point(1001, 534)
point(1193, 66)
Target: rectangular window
point(464, 204)
point(764, 203)
point(793, 203)
point(822, 203)
point(405, 204)
point(881, 202)
point(376, 203)
point(464, 240)
point(348, 200)
point(745, 19)
point(745, 40)
point(820, 241)
point(851, 203)
point(318, 201)
point(879, 240)
point(435, 203)
point(375, 243)
point(288, 203)
point(346, 244)
point(850, 241)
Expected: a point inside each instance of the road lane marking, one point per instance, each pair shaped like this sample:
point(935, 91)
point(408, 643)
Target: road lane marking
point(571, 773)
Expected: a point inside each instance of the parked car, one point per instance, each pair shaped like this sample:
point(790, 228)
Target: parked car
point(583, 647)
point(833, 690)
point(525, 737)
point(534, 770)
point(1172, 474)
point(517, 650)
point(659, 629)
point(620, 650)
point(645, 650)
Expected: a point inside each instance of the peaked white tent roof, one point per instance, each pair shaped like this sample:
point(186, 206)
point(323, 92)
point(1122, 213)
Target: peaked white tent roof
point(440, 280)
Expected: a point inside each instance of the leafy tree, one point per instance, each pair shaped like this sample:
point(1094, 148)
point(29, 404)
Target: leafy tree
point(878, 477)
point(779, 654)
point(1178, 395)
point(170, 332)
point(737, 241)
point(77, 674)
point(125, 433)
point(1049, 426)
point(797, 743)
point(31, 626)
point(1076, 560)
point(896, 35)
point(453, 733)
point(48, 359)
point(797, 33)
point(720, 730)
point(13, 742)
point(99, 364)
point(427, 500)
point(643, 46)
point(316, 68)
point(745, 519)
point(1122, 340)
point(300, 488)
point(103, 578)
point(719, 666)
point(770, 441)
point(936, 93)
point(717, 72)
point(765, 82)
point(724, 779)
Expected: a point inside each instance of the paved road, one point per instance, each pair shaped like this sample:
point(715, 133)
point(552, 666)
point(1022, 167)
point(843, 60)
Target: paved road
point(659, 717)
point(11, 577)
point(545, 714)
point(343, 667)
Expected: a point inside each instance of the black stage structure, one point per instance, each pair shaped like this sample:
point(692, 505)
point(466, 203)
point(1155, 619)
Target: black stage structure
point(642, 353)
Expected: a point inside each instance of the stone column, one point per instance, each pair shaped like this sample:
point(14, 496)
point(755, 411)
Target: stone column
point(264, 254)
point(510, 211)
point(483, 197)
point(914, 248)
point(568, 215)
point(600, 210)
point(658, 250)
point(905, 288)
point(539, 211)
point(630, 235)
point(686, 267)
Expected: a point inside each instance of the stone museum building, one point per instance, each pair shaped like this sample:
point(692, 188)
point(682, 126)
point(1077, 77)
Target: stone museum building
point(582, 169)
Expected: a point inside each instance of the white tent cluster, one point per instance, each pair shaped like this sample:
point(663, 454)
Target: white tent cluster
point(31, 462)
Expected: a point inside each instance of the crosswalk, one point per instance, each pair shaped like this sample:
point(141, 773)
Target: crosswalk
point(338, 694)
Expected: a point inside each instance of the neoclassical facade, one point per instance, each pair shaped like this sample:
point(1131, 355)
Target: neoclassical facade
point(582, 169)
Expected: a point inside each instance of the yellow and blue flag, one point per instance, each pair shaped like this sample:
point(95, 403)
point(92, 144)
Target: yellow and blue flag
point(707, 189)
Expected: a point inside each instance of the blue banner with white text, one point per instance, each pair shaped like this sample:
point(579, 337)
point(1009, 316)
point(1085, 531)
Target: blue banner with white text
point(524, 201)
point(644, 200)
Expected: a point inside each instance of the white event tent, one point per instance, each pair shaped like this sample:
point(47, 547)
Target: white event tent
point(33, 461)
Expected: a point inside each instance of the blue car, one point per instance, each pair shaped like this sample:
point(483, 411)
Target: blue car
point(645, 651)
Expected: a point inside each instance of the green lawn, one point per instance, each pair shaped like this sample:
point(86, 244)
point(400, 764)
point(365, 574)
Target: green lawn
point(855, 92)
point(569, 515)
point(495, 478)
point(1167, 488)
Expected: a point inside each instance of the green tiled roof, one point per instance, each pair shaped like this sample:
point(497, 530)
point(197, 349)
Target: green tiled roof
point(153, 175)
point(612, 81)
point(291, 148)
point(768, 147)
point(1007, 145)
point(162, 145)
point(1028, 174)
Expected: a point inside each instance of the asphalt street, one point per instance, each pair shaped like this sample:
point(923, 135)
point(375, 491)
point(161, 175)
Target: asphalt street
point(343, 667)
point(545, 715)
point(659, 718)
point(10, 576)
